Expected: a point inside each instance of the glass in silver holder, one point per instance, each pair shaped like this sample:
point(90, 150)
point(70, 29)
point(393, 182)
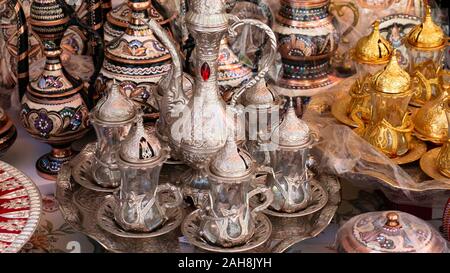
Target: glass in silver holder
point(262, 110)
point(111, 118)
point(290, 180)
point(228, 220)
point(140, 161)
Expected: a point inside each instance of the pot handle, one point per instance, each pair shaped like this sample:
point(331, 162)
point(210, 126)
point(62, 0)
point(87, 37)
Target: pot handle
point(96, 41)
point(175, 191)
point(269, 60)
point(269, 199)
point(22, 47)
point(338, 7)
point(424, 86)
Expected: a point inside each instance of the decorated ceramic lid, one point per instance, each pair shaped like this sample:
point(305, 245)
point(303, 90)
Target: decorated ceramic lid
point(389, 232)
point(261, 96)
point(373, 49)
point(116, 108)
point(232, 162)
point(137, 52)
point(292, 133)
point(427, 35)
point(231, 72)
point(120, 15)
point(392, 79)
point(141, 147)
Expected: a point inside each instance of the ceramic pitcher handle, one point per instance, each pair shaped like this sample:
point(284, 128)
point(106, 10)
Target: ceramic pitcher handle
point(269, 60)
point(22, 47)
point(97, 46)
point(269, 199)
point(175, 191)
point(339, 7)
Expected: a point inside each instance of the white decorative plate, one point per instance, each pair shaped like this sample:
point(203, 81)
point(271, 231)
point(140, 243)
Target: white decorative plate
point(20, 208)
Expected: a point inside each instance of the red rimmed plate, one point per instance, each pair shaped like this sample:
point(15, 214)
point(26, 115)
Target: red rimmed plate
point(20, 208)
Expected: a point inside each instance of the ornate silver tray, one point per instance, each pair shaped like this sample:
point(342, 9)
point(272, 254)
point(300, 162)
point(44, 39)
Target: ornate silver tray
point(79, 207)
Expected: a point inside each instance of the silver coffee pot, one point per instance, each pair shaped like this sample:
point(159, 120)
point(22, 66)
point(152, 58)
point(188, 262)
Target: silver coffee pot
point(196, 128)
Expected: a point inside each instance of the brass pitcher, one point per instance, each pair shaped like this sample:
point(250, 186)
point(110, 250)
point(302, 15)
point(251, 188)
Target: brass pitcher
point(390, 126)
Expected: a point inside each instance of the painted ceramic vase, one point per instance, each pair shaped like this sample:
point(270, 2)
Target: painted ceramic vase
point(136, 59)
point(446, 221)
point(8, 133)
point(54, 108)
point(307, 38)
point(117, 19)
point(231, 73)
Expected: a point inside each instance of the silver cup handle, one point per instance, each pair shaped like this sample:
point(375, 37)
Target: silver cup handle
point(173, 190)
point(269, 199)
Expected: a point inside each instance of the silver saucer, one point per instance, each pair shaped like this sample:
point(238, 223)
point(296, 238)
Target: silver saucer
point(105, 219)
point(319, 200)
point(81, 170)
point(191, 230)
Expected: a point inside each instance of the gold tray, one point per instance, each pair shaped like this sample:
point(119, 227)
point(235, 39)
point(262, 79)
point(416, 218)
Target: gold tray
point(428, 166)
point(339, 111)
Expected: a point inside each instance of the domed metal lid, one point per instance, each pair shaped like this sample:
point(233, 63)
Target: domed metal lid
point(261, 96)
point(427, 35)
point(115, 108)
point(292, 133)
point(232, 162)
point(430, 121)
point(373, 48)
point(389, 232)
point(141, 147)
point(392, 79)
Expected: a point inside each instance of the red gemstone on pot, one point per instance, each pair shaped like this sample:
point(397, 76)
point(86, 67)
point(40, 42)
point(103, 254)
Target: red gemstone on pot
point(205, 71)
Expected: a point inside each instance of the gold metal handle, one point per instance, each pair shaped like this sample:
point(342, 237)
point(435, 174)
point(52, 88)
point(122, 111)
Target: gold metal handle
point(356, 114)
point(425, 83)
point(268, 61)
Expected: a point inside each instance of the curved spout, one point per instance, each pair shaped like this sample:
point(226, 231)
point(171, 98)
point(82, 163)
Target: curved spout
point(173, 92)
